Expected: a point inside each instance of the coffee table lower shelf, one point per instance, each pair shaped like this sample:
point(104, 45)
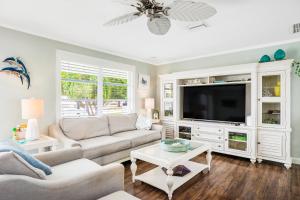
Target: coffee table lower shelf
point(157, 178)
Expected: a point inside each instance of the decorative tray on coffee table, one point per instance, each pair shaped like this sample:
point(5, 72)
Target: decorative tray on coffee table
point(175, 145)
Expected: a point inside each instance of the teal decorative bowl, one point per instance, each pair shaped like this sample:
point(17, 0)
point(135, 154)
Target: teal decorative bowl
point(279, 54)
point(264, 59)
point(175, 145)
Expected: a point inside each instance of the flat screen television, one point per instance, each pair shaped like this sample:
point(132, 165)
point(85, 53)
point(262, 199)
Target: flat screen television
point(226, 103)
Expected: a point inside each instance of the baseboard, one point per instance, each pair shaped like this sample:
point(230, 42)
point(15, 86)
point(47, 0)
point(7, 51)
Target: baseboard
point(296, 161)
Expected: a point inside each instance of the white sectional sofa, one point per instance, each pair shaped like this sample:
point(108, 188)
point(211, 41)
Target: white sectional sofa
point(105, 139)
point(72, 178)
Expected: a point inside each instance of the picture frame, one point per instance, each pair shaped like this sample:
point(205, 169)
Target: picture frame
point(144, 81)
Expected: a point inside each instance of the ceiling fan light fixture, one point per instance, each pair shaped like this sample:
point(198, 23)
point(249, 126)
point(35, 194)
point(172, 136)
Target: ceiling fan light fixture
point(159, 15)
point(159, 25)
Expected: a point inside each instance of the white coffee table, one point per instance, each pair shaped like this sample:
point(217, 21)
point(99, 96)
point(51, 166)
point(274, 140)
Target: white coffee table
point(155, 155)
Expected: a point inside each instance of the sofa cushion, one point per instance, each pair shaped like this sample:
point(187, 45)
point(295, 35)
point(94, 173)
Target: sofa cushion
point(83, 128)
point(73, 169)
point(12, 163)
point(7, 146)
point(143, 123)
point(100, 146)
point(119, 122)
point(139, 137)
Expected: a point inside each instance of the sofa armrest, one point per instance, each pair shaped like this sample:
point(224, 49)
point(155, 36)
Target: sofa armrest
point(161, 128)
point(53, 158)
point(88, 185)
point(56, 132)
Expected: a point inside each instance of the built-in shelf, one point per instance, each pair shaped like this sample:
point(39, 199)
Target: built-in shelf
point(237, 140)
point(223, 83)
point(271, 113)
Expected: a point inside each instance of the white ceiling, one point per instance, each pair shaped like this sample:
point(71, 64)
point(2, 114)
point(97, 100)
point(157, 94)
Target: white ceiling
point(239, 24)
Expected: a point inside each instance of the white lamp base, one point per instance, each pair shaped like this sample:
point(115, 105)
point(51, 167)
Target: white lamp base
point(32, 132)
point(149, 113)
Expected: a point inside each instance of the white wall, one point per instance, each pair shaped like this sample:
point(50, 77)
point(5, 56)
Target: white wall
point(39, 54)
point(250, 56)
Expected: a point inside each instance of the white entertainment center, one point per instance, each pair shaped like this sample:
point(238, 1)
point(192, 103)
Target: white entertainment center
point(265, 135)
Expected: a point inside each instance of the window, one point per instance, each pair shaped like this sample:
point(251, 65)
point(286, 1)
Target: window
point(115, 91)
point(91, 90)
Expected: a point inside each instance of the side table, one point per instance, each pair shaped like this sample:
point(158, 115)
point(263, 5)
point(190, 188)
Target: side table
point(40, 144)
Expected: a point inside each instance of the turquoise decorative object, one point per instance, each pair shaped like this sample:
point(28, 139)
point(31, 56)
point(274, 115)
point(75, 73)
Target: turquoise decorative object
point(175, 145)
point(265, 58)
point(279, 54)
point(16, 67)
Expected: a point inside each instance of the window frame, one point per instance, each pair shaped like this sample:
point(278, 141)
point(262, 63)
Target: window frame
point(64, 56)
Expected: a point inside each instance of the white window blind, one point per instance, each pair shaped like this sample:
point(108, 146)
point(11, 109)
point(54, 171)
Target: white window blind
point(79, 90)
point(91, 90)
point(115, 91)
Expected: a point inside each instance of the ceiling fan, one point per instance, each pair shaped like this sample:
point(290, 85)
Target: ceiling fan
point(159, 15)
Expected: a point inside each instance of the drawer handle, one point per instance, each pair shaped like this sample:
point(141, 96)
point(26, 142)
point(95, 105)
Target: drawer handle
point(220, 130)
point(219, 145)
point(219, 138)
point(258, 142)
point(226, 139)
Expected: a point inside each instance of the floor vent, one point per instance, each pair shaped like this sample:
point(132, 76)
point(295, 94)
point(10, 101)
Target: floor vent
point(296, 28)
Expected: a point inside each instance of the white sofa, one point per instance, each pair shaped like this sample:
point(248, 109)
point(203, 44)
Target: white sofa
point(105, 139)
point(72, 178)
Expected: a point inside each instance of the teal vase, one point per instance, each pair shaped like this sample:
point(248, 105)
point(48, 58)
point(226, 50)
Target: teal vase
point(279, 54)
point(264, 59)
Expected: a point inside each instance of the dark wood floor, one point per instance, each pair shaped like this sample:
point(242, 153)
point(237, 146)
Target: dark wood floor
point(230, 178)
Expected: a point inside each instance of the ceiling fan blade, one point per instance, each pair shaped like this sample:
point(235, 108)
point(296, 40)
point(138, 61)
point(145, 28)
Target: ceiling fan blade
point(190, 11)
point(123, 19)
point(159, 25)
point(127, 2)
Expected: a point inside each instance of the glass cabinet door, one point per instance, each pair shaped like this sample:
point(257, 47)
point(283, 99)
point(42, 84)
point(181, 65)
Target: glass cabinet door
point(271, 113)
point(168, 99)
point(271, 85)
point(168, 90)
point(237, 141)
point(271, 99)
point(168, 109)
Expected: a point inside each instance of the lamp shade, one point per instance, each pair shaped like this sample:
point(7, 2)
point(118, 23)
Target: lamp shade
point(149, 103)
point(32, 108)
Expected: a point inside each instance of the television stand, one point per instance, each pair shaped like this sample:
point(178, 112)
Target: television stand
point(223, 137)
point(266, 135)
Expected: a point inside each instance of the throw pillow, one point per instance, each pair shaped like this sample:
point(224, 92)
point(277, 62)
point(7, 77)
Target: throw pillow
point(12, 163)
point(143, 123)
point(179, 170)
point(8, 146)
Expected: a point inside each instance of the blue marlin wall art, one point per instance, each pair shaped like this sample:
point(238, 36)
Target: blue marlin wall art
point(16, 67)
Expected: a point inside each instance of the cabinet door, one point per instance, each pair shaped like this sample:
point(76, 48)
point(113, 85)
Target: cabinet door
point(237, 141)
point(270, 144)
point(168, 90)
point(271, 99)
point(167, 99)
point(170, 128)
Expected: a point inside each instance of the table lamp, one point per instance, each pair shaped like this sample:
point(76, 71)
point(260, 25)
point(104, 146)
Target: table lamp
point(32, 109)
point(149, 105)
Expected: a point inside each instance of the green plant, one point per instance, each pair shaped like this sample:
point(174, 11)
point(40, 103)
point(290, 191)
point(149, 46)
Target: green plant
point(296, 66)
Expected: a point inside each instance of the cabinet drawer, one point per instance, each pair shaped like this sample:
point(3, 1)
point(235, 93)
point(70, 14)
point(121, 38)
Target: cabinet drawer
point(208, 129)
point(214, 145)
point(271, 144)
point(208, 136)
point(217, 146)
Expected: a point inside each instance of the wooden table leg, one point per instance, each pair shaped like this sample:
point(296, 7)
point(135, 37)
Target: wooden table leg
point(170, 182)
point(133, 168)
